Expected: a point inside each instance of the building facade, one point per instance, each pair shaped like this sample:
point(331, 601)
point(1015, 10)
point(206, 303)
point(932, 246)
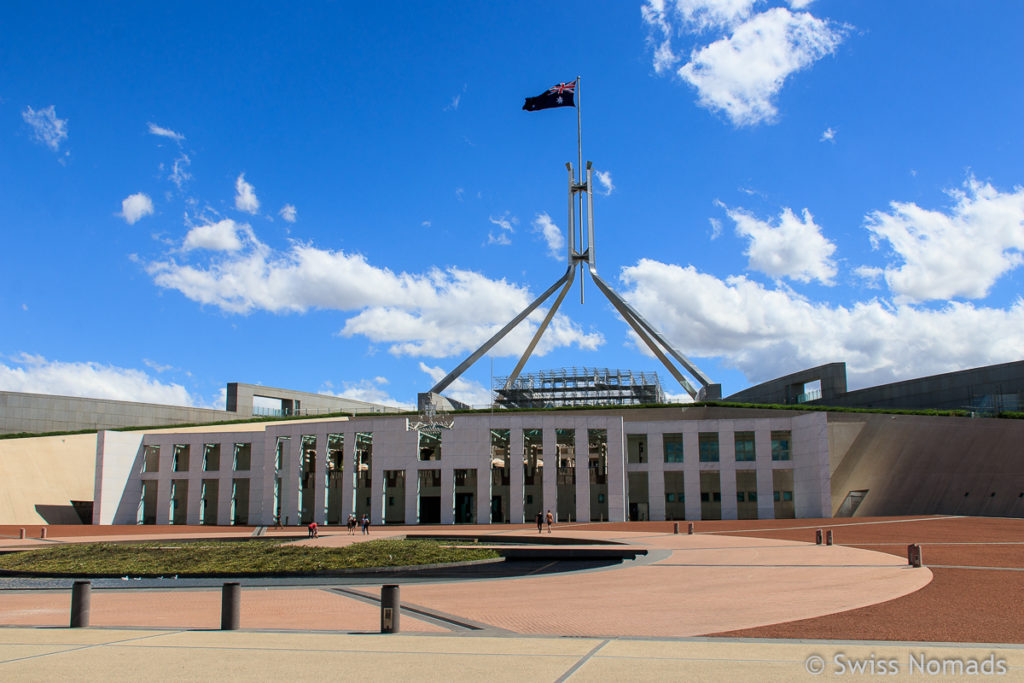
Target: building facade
point(607, 465)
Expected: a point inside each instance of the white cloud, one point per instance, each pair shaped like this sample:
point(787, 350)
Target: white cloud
point(288, 213)
point(219, 236)
point(46, 127)
point(956, 254)
point(506, 223)
point(158, 367)
point(792, 248)
point(136, 206)
point(437, 313)
point(604, 182)
point(766, 332)
point(828, 136)
point(35, 374)
point(552, 234)
point(741, 74)
point(165, 132)
point(465, 391)
point(369, 390)
point(716, 228)
point(245, 196)
point(702, 15)
point(179, 175)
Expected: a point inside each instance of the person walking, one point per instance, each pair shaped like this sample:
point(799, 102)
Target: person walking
point(351, 524)
point(540, 523)
point(366, 525)
point(551, 520)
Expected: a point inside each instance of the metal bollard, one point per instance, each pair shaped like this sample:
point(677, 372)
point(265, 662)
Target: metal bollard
point(390, 608)
point(828, 537)
point(675, 528)
point(817, 537)
point(914, 555)
point(81, 592)
point(21, 533)
point(691, 528)
point(42, 532)
point(230, 606)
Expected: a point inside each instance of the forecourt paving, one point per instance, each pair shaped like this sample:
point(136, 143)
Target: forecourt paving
point(42, 654)
point(630, 621)
point(687, 585)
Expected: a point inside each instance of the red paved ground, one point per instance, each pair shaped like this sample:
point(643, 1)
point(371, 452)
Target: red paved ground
point(979, 605)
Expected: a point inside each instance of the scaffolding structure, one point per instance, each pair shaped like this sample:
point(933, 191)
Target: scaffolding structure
point(574, 386)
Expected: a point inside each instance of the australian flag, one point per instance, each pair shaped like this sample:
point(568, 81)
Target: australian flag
point(559, 96)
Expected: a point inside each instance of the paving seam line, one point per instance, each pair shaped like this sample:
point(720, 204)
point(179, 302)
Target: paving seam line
point(86, 647)
point(583, 660)
point(452, 622)
point(834, 525)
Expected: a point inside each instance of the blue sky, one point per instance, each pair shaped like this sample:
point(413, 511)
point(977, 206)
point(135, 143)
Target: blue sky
point(347, 198)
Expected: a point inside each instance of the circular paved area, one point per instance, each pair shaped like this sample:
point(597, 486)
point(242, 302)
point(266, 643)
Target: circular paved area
point(688, 585)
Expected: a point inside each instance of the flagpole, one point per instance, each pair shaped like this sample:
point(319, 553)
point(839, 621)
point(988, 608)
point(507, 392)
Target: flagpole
point(579, 149)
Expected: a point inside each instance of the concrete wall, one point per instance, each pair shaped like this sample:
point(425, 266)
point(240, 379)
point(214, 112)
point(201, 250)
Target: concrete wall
point(914, 465)
point(41, 413)
point(786, 390)
point(998, 387)
point(240, 400)
point(467, 446)
point(39, 477)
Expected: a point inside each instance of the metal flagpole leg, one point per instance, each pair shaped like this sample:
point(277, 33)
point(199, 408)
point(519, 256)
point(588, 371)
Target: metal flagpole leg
point(540, 331)
point(475, 356)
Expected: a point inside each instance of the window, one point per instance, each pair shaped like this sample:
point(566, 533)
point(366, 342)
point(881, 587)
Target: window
point(151, 459)
point(781, 446)
point(179, 463)
point(243, 456)
point(673, 447)
point(430, 444)
point(211, 457)
point(708, 442)
point(745, 447)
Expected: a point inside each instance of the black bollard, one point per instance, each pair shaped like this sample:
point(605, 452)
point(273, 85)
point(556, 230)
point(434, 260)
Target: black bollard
point(675, 528)
point(21, 533)
point(390, 608)
point(42, 532)
point(817, 537)
point(914, 555)
point(828, 537)
point(691, 528)
point(230, 606)
point(80, 603)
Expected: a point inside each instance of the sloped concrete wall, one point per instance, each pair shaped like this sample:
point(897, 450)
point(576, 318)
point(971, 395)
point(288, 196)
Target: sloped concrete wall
point(39, 477)
point(41, 413)
point(913, 465)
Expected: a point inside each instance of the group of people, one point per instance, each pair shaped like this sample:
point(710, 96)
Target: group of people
point(363, 523)
point(541, 518)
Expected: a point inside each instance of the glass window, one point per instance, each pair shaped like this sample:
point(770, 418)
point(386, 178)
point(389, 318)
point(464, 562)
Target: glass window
point(745, 447)
point(179, 463)
point(243, 456)
point(430, 444)
point(781, 446)
point(708, 447)
point(151, 459)
point(673, 447)
point(211, 457)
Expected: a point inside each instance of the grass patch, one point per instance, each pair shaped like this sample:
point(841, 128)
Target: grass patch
point(230, 557)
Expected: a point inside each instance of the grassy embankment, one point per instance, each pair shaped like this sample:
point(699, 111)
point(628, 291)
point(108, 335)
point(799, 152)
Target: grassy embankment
point(225, 558)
